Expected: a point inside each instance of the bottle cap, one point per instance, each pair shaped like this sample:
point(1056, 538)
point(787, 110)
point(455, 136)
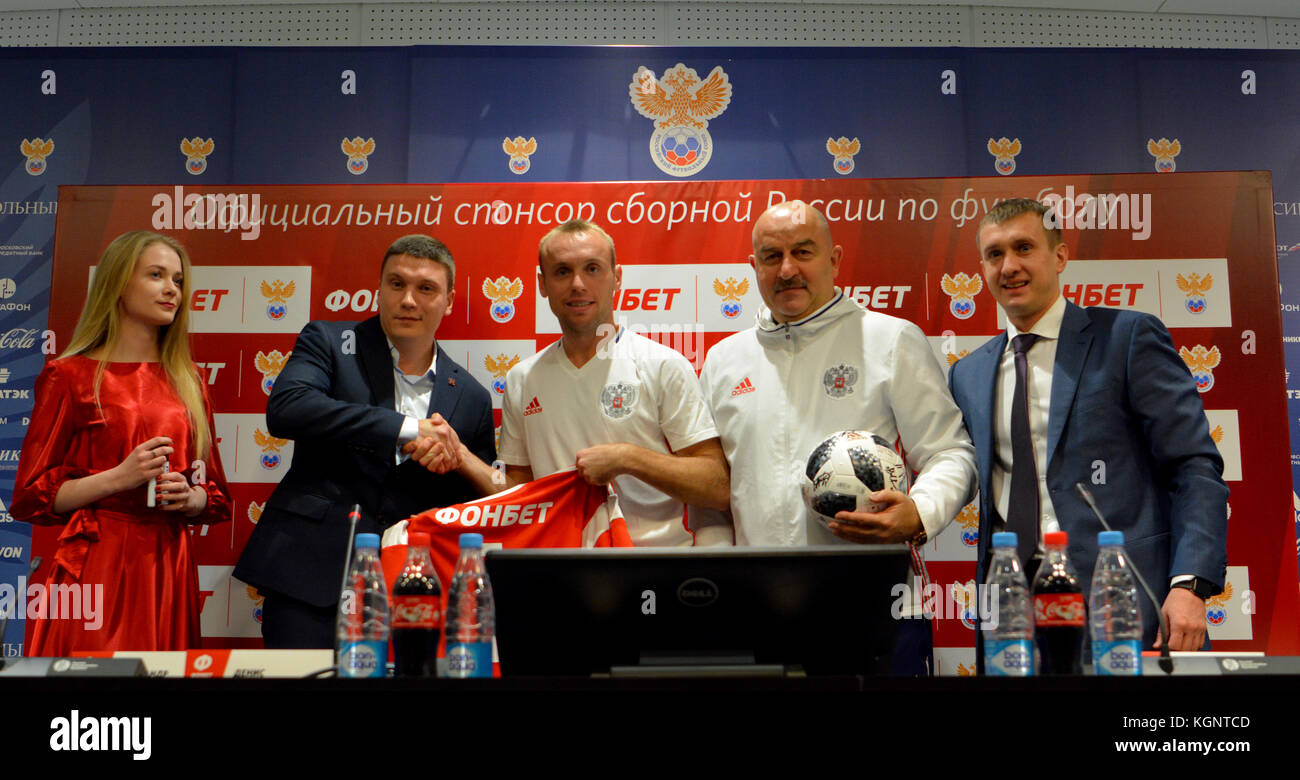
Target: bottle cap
point(1056, 539)
point(1110, 537)
point(417, 539)
point(1005, 539)
point(471, 541)
point(368, 541)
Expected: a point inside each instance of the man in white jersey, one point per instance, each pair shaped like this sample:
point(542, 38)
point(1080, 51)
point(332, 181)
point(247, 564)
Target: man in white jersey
point(619, 407)
point(816, 363)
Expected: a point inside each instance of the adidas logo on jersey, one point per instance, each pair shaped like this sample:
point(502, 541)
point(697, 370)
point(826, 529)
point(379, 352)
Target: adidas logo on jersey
point(534, 407)
point(745, 386)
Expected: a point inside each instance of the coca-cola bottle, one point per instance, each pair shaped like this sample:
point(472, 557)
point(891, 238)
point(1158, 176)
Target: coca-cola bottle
point(1060, 614)
point(417, 612)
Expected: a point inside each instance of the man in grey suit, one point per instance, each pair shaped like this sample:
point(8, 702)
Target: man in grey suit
point(1103, 399)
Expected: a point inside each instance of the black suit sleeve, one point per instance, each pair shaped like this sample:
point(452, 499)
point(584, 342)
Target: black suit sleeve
point(303, 406)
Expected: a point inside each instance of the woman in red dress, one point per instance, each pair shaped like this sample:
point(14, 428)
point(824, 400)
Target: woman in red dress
point(121, 413)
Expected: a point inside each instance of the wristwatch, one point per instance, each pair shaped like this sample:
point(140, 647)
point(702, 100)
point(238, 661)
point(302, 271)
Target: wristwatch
point(920, 539)
point(1203, 589)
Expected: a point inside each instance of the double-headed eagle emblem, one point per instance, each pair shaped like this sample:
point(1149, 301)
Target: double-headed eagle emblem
point(731, 290)
point(36, 150)
point(680, 98)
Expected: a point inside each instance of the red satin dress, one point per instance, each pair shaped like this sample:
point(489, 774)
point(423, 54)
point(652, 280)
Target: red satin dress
point(139, 555)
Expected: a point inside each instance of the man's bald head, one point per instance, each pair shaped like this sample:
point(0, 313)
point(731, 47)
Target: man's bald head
point(791, 212)
point(795, 261)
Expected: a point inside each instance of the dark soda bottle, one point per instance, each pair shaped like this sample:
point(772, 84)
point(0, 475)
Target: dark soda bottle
point(1060, 613)
point(417, 612)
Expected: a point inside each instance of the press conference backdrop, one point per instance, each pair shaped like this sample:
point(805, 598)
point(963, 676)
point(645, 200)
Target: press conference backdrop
point(272, 123)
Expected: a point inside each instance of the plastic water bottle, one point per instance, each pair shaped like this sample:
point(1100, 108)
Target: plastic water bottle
point(1115, 614)
point(362, 628)
point(1009, 647)
point(471, 613)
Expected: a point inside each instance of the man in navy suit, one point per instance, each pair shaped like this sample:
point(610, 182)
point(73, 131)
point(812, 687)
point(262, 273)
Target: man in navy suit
point(358, 399)
point(1110, 404)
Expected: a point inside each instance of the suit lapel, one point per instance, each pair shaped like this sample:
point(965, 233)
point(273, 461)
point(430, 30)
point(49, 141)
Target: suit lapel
point(376, 362)
point(446, 386)
point(1071, 355)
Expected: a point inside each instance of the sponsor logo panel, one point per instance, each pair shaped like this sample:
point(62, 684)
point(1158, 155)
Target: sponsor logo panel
point(1227, 436)
point(954, 661)
point(1229, 615)
point(248, 451)
point(489, 361)
point(228, 610)
point(718, 297)
point(1185, 293)
point(248, 299)
point(950, 349)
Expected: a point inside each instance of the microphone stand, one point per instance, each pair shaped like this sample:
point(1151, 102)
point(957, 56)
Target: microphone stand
point(353, 517)
point(1166, 663)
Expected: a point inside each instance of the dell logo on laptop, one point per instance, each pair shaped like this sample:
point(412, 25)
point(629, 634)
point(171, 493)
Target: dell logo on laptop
point(697, 592)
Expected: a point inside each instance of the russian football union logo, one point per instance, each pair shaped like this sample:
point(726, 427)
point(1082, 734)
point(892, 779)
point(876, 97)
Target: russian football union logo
point(255, 511)
point(1195, 287)
point(618, 400)
point(1004, 153)
point(843, 150)
point(1201, 362)
point(519, 150)
point(358, 151)
point(196, 151)
point(731, 292)
point(277, 297)
point(36, 150)
point(965, 596)
point(271, 447)
point(499, 366)
point(681, 104)
point(257, 599)
point(962, 289)
point(1164, 151)
point(270, 364)
point(969, 520)
point(1216, 607)
point(502, 292)
point(838, 380)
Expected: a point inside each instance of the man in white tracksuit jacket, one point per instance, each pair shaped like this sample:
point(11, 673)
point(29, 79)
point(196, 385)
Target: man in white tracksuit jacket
point(816, 363)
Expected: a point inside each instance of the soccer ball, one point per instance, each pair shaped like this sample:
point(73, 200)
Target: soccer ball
point(845, 468)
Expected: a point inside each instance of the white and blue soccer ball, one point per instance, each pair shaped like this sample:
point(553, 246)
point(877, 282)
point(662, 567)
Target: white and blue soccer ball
point(846, 468)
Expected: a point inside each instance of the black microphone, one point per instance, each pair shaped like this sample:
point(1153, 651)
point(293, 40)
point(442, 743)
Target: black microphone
point(1166, 663)
point(353, 518)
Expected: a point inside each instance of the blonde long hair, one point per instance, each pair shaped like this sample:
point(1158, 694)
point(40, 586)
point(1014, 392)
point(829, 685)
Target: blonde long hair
point(101, 325)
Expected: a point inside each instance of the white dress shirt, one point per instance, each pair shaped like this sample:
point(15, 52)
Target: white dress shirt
point(1041, 358)
point(412, 394)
